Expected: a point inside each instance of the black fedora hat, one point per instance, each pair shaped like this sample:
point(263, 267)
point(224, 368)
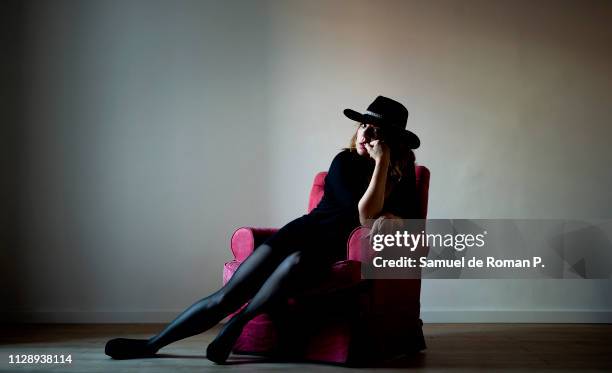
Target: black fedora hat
point(389, 115)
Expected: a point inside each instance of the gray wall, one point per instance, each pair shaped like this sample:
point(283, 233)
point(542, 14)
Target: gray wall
point(149, 131)
point(10, 111)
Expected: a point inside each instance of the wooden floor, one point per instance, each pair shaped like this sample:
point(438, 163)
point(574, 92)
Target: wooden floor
point(451, 347)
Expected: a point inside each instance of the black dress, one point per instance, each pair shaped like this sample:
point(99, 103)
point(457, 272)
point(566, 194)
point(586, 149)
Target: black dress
point(323, 233)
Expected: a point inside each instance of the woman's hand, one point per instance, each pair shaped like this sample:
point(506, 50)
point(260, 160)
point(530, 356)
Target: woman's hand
point(378, 150)
point(386, 223)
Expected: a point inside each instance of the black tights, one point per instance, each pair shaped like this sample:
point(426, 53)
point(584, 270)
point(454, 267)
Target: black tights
point(266, 277)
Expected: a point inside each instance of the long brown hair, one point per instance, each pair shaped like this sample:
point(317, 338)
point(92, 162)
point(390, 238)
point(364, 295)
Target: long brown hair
point(402, 158)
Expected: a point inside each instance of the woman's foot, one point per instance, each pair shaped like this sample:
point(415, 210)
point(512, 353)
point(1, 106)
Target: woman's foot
point(124, 348)
point(220, 348)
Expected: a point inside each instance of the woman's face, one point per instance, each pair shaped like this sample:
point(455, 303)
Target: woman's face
point(366, 133)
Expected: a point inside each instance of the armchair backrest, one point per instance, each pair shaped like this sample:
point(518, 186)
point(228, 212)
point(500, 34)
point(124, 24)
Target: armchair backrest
point(422, 189)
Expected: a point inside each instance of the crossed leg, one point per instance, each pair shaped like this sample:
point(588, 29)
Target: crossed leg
point(207, 312)
point(288, 278)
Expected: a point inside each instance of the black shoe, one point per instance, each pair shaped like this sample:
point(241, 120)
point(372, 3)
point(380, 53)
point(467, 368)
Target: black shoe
point(217, 352)
point(220, 348)
point(124, 348)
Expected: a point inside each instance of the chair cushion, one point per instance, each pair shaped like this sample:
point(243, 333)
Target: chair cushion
point(316, 192)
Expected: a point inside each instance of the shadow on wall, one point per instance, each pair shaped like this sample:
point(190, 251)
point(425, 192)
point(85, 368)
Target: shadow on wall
point(12, 260)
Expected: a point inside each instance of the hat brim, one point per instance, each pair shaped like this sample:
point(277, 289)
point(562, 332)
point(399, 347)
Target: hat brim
point(409, 137)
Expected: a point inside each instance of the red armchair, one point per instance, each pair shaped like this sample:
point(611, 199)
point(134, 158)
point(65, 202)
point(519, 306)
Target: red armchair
point(346, 319)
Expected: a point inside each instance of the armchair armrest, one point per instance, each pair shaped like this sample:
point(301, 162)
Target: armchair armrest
point(357, 239)
point(353, 246)
point(245, 239)
point(387, 296)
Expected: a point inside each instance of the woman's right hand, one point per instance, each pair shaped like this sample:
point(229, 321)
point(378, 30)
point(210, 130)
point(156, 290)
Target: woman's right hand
point(378, 150)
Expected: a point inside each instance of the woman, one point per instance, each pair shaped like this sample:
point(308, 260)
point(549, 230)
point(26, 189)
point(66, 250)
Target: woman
point(373, 177)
